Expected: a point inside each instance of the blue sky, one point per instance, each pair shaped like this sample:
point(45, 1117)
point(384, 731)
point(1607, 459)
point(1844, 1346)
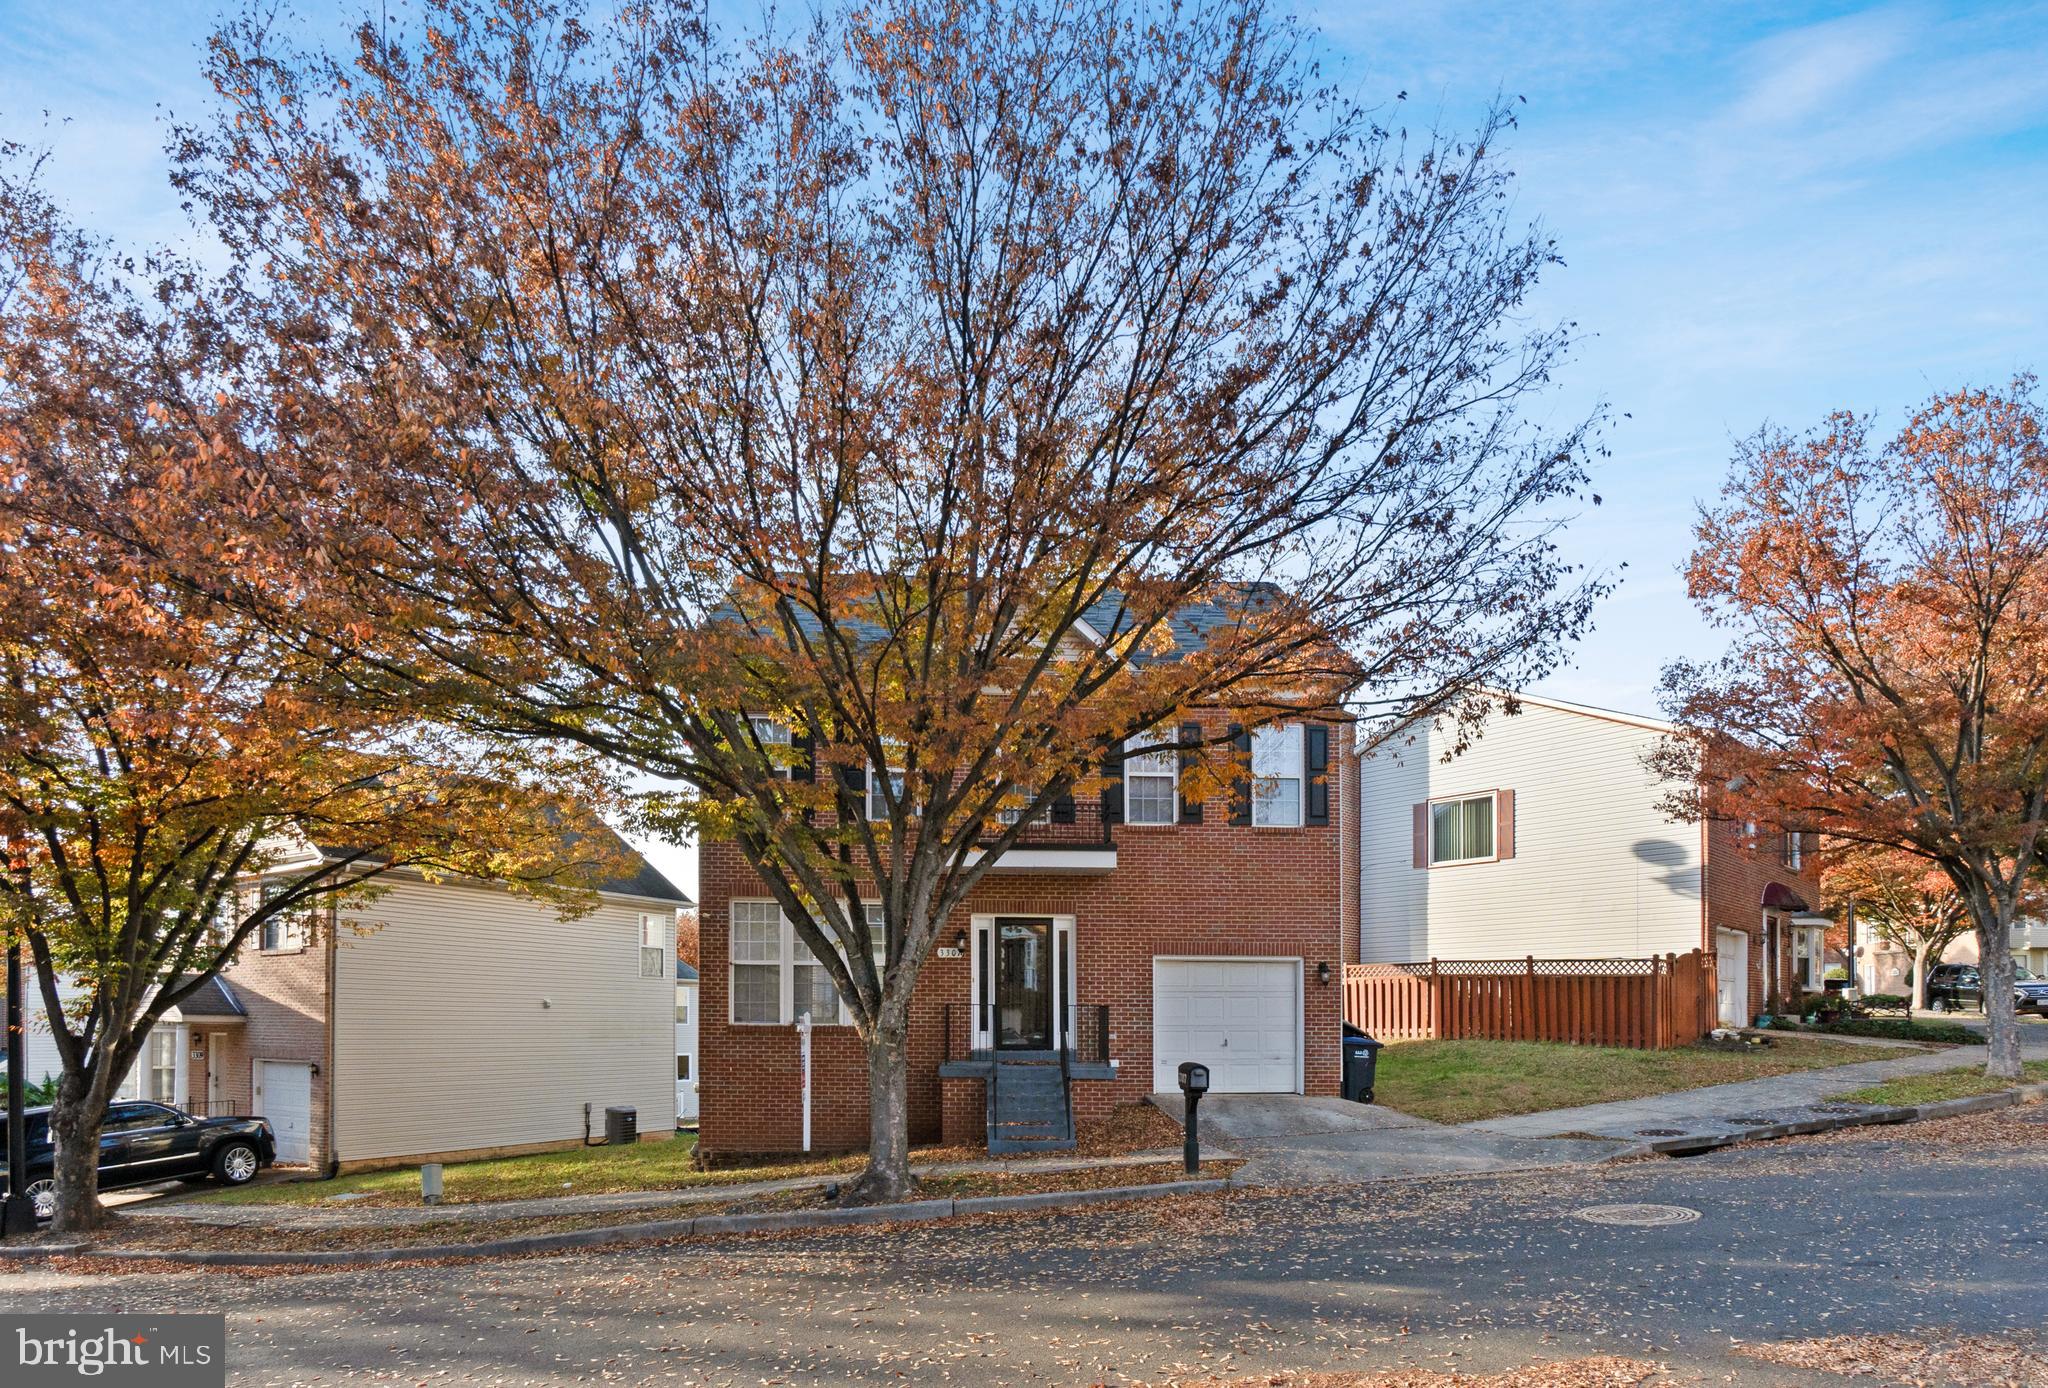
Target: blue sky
point(1767, 211)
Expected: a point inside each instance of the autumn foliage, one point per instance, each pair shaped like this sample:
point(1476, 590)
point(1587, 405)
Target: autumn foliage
point(891, 395)
point(1887, 684)
point(159, 750)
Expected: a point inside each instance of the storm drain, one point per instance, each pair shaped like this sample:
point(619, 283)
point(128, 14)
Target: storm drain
point(1640, 1216)
point(1750, 1120)
point(1837, 1108)
point(1659, 1132)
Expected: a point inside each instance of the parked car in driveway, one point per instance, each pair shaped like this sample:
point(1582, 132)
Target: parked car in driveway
point(2030, 992)
point(142, 1143)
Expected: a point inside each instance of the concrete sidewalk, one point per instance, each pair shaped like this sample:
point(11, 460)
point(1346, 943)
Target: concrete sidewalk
point(325, 1215)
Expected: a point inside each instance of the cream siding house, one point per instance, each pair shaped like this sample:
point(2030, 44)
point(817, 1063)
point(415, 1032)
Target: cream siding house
point(466, 1018)
point(453, 1020)
point(1543, 838)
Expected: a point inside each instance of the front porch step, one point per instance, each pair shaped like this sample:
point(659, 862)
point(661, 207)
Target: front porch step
point(1028, 1106)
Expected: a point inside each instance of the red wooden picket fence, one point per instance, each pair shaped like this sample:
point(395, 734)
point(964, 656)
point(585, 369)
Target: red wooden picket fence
point(1650, 1004)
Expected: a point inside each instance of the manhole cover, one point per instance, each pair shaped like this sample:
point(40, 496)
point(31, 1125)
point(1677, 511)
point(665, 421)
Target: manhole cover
point(1750, 1120)
point(1659, 1132)
point(1644, 1216)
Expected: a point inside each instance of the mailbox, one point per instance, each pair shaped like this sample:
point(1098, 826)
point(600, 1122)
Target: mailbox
point(1194, 1083)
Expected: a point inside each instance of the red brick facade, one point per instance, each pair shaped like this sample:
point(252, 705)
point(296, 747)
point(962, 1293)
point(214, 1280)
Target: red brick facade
point(1212, 888)
point(286, 994)
point(1736, 881)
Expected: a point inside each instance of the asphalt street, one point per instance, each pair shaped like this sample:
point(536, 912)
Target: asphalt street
point(1902, 1230)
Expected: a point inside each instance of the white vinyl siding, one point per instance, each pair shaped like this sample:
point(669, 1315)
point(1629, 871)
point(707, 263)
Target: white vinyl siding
point(1597, 870)
point(1277, 775)
point(467, 1017)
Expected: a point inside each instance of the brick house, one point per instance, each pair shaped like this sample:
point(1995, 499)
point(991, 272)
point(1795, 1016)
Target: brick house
point(446, 1020)
point(1124, 934)
point(1544, 838)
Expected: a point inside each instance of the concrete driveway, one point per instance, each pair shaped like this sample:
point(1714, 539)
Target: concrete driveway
point(1299, 1140)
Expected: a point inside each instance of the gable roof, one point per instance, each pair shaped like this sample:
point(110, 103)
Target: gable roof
point(634, 876)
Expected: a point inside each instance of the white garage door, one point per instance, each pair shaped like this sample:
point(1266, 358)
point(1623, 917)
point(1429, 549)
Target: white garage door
point(1239, 1017)
point(284, 1095)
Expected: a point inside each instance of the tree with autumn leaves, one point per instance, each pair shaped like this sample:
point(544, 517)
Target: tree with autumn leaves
point(1887, 683)
point(756, 413)
point(161, 752)
point(1902, 898)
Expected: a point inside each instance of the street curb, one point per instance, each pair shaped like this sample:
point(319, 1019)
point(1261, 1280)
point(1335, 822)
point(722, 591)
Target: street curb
point(1871, 1117)
point(911, 1212)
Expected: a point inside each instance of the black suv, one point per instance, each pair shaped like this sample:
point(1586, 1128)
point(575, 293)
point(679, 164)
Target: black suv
point(142, 1143)
point(1953, 986)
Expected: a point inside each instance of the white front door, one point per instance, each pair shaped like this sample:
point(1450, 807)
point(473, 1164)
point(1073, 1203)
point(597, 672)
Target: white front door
point(1731, 968)
point(1239, 1017)
point(216, 1044)
point(284, 1095)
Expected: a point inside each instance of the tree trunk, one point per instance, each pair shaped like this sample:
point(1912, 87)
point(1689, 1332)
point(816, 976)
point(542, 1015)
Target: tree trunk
point(1920, 974)
point(1994, 971)
point(888, 1175)
point(75, 1122)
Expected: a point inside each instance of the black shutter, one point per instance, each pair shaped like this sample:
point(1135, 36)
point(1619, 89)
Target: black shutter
point(1063, 808)
point(1190, 755)
point(804, 764)
point(1113, 787)
point(1318, 772)
point(1241, 776)
point(854, 778)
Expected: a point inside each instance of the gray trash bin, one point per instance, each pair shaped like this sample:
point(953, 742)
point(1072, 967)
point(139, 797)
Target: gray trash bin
point(1361, 1065)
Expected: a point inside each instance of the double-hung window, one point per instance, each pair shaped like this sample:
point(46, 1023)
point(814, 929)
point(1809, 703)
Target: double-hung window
point(1151, 779)
point(777, 978)
point(1019, 797)
point(1794, 857)
point(878, 804)
point(811, 989)
point(654, 945)
point(756, 962)
point(1461, 831)
point(163, 1065)
point(284, 930)
point(774, 738)
point(1277, 775)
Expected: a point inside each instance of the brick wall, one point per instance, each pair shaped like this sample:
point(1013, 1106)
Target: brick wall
point(1211, 888)
point(286, 996)
point(1736, 879)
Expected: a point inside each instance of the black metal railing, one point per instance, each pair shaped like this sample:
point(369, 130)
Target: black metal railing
point(968, 1032)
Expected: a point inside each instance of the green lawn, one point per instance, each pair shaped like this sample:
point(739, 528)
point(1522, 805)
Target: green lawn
point(1947, 1084)
point(1465, 1081)
point(578, 1171)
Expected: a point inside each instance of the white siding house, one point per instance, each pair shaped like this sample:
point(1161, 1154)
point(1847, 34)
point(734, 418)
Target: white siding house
point(471, 1019)
point(1543, 838)
point(686, 1044)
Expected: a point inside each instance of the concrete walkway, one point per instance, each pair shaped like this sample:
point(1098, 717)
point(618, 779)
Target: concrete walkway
point(1291, 1140)
point(1725, 1109)
point(324, 1214)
